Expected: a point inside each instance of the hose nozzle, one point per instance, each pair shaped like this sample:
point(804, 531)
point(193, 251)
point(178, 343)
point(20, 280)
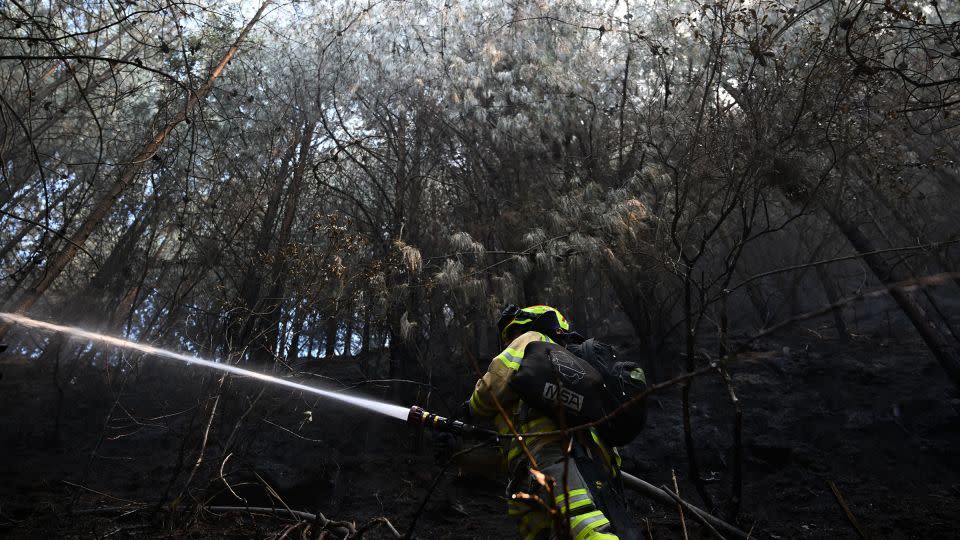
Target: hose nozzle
point(420, 417)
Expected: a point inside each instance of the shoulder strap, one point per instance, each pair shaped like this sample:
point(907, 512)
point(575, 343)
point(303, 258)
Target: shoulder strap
point(588, 350)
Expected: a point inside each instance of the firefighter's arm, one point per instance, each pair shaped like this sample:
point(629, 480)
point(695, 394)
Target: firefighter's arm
point(494, 386)
point(491, 389)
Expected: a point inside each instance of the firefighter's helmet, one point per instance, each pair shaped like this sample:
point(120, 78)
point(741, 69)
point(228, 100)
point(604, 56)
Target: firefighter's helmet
point(543, 319)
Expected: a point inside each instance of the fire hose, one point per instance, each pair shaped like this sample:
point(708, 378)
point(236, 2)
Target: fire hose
point(419, 417)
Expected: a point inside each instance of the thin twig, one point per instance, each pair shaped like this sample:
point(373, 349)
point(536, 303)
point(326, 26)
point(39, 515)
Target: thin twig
point(109, 509)
point(683, 522)
point(514, 434)
point(273, 493)
point(662, 496)
point(737, 486)
point(290, 528)
point(299, 515)
point(224, 479)
point(681, 504)
point(379, 521)
point(288, 430)
point(521, 440)
point(565, 523)
point(846, 510)
point(206, 436)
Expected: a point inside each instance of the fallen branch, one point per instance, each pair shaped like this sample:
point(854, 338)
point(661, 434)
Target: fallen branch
point(376, 522)
point(668, 498)
point(680, 503)
point(102, 494)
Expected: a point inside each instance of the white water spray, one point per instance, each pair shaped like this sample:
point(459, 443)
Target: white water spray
point(394, 411)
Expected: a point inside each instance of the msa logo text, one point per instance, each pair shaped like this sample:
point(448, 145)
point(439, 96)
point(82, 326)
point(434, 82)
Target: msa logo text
point(565, 396)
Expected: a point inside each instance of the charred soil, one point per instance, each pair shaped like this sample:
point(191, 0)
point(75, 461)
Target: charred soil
point(94, 453)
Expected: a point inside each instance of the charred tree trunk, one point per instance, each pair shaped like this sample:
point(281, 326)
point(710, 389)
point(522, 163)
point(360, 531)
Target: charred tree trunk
point(932, 333)
point(906, 262)
point(293, 351)
point(833, 296)
point(348, 339)
point(787, 175)
point(365, 343)
point(243, 326)
point(365, 334)
point(312, 321)
point(270, 312)
point(330, 340)
point(633, 306)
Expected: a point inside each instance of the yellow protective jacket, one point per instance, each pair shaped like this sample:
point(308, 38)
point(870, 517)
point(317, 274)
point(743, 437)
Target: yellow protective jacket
point(494, 388)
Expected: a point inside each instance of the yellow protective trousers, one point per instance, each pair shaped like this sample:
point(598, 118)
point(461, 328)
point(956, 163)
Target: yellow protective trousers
point(569, 512)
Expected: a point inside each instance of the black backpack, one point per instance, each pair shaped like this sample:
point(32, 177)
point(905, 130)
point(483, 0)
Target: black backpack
point(583, 385)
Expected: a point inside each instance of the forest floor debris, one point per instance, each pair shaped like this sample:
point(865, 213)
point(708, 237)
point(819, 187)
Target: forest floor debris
point(874, 418)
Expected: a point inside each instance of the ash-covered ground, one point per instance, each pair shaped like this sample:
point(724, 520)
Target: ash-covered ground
point(876, 417)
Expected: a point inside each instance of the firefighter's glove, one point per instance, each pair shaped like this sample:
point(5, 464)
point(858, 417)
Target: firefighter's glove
point(462, 413)
point(445, 445)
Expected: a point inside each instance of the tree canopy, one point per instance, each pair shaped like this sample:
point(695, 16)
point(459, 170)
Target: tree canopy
point(320, 178)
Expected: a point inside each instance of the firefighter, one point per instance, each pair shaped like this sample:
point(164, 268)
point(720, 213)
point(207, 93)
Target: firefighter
point(582, 473)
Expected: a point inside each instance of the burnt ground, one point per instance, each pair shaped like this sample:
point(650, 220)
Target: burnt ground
point(875, 416)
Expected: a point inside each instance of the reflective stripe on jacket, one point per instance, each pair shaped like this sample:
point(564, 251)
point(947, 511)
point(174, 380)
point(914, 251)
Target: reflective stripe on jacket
point(494, 387)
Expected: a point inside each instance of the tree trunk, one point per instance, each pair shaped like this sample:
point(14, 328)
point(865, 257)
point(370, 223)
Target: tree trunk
point(931, 332)
point(348, 339)
point(242, 327)
point(271, 312)
point(15, 239)
point(365, 333)
point(915, 236)
point(312, 320)
point(833, 296)
point(632, 305)
point(365, 346)
point(293, 351)
point(330, 340)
